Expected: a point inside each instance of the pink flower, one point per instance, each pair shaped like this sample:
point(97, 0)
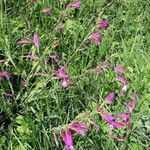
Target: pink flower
point(122, 80)
point(95, 37)
point(131, 106)
point(124, 89)
point(103, 24)
point(5, 74)
point(115, 124)
point(76, 5)
point(67, 138)
point(118, 138)
point(65, 82)
point(22, 42)
point(36, 40)
point(124, 116)
point(102, 67)
point(62, 74)
point(47, 10)
point(9, 94)
point(107, 117)
point(54, 57)
point(119, 69)
point(79, 128)
point(110, 97)
point(56, 38)
point(31, 57)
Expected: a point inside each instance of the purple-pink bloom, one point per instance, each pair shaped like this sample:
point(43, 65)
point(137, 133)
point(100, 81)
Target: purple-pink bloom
point(124, 116)
point(5, 74)
point(9, 94)
point(122, 80)
point(103, 66)
point(31, 57)
point(36, 40)
point(54, 57)
point(131, 106)
point(67, 138)
point(115, 124)
point(119, 69)
point(107, 117)
point(96, 37)
point(110, 97)
point(103, 24)
point(65, 82)
point(23, 41)
point(62, 74)
point(47, 10)
point(118, 138)
point(79, 128)
point(76, 5)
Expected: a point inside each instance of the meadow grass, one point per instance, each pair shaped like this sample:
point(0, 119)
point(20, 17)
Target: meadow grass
point(40, 103)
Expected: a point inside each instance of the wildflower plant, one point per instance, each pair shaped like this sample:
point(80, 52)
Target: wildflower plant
point(71, 73)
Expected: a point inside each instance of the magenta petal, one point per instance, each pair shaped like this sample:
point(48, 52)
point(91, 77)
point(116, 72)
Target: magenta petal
point(110, 97)
point(22, 42)
point(95, 37)
point(5, 74)
point(119, 69)
point(122, 80)
point(103, 24)
point(47, 10)
point(36, 40)
point(76, 5)
point(124, 116)
point(117, 125)
point(131, 106)
point(108, 117)
point(79, 128)
point(67, 138)
point(54, 57)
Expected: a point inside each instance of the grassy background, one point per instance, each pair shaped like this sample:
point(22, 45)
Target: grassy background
point(41, 103)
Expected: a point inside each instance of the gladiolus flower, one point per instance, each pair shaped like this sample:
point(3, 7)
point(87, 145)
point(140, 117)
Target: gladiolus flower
point(76, 5)
point(115, 124)
point(103, 66)
point(110, 97)
point(124, 116)
point(119, 69)
point(67, 138)
point(61, 73)
point(79, 128)
point(31, 57)
point(118, 138)
point(122, 80)
point(47, 10)
point(23, 42)
point(103, 24)
point(95, 37)
point(54, 57)
point(131, 106)
point(36, 40)
point(108, 117)
point(9, 94)
point(5, 74)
